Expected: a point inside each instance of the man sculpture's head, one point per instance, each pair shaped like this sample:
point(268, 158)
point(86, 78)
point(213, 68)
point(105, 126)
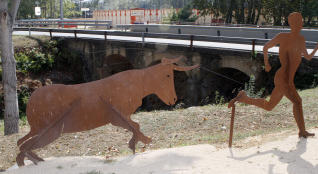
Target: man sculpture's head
point(295, 21)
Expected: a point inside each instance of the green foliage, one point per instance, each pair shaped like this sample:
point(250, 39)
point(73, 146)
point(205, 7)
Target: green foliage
point(248, 11)
point(250, 89)
point(26, 9)
point(174, 16)
point(218, 99)
point(36, 60)
point(315, 81)
point(310, 11)
point(308, 8)
point(184, 15)
point(24, 94)
point(33, 61)
point(70, 9)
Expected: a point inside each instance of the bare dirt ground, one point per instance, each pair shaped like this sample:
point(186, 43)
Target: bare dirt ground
point(196, 125)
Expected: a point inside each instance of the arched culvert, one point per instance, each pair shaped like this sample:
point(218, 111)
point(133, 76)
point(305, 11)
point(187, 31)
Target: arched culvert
point(114, 64)
point(223, 82)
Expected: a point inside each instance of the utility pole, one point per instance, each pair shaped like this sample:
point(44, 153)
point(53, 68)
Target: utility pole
point(61, 10)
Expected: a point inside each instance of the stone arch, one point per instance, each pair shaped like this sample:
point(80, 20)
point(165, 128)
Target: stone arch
point(113, 64)
point(248, 66)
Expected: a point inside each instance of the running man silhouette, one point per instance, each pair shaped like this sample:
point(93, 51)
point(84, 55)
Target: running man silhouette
point(292, 48)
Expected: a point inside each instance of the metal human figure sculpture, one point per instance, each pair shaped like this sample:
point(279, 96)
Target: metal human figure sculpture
point(292, 47)
point(56, 109)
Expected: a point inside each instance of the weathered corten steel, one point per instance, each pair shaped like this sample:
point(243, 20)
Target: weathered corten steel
point(56, 109)
point(291, 49)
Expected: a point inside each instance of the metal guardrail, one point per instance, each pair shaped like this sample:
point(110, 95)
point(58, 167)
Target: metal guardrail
point(124, 27)
point(65, 23)
point(143, 35)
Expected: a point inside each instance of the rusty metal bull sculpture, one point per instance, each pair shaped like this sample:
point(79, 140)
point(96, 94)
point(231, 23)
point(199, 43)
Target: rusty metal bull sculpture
point(57, 109)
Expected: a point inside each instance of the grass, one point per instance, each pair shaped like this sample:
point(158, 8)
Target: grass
point(33, 41)
point(1, 126)
point(23, 122)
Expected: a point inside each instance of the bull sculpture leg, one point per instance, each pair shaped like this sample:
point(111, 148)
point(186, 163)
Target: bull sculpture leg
point(117, 119)
point(30, 154)
point(43, 138)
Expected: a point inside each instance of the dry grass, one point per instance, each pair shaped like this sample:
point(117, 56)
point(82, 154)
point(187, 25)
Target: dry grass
point(33, 41)
point(195, 125)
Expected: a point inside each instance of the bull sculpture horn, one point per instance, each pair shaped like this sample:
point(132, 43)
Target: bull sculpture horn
point(170, 61)
point(185, 68)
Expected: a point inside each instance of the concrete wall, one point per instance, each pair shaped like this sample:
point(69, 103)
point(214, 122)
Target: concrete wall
point(310, 34)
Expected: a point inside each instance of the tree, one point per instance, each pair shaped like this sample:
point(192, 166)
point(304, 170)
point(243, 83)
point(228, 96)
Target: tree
point(184, 15)
point(26, 9)
point(309, 11)
point(70, 9)
point(8, 12)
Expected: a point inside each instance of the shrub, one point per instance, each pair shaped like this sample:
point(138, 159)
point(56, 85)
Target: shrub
point(0, 72)
point(184, 15)
point(250, 89)
point(24, 94)
point(34, 61)
point(218, 99)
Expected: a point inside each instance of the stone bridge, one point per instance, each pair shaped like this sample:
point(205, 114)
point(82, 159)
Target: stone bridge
point(224, 71)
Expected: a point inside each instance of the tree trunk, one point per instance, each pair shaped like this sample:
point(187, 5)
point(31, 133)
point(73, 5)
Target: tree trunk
point(229, 13)
point(9, 79)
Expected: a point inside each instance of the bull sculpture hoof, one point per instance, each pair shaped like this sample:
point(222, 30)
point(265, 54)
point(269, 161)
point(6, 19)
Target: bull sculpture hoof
point(20, 159)
point(30, 155)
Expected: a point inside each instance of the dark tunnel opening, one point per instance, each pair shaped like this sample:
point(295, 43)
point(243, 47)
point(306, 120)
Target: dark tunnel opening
point(223, 82)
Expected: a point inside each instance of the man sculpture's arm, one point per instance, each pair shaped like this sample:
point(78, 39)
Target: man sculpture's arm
point(305, 53)
point(267, 46)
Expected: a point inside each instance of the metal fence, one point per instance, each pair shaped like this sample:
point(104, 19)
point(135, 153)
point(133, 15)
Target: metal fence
point(143, 35)
point(68, 23)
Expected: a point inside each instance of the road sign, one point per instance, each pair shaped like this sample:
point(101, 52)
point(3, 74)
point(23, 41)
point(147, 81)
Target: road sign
point(84, 9)
point(37, 11)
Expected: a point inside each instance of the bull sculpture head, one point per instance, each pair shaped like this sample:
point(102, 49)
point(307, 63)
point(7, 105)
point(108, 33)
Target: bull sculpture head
point(160, 79)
